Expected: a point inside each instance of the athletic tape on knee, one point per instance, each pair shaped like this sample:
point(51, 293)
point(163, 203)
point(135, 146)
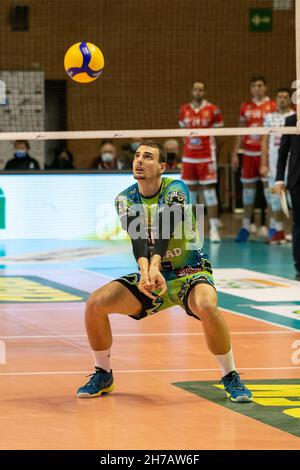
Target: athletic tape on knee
point(210, 197)
point(248, 196)
point(275, 203)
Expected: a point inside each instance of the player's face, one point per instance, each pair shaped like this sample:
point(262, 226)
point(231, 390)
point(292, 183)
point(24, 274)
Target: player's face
point(146, 163)
point(283, 100)
point(198, 91)
point(258, 89)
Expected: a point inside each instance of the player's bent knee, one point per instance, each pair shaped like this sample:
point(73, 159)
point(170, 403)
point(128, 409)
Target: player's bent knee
point(205, 308)
point(98, 303)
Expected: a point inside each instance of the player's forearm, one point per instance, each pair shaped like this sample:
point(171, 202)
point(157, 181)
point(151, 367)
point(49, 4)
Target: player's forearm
point(143, 264)
point(155, 261)
point(140, 248)
point(264, 150)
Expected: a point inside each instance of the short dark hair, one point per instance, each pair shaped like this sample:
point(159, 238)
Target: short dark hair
point(284, 90)
point(258, 78)
point(162, 153)
point(106, 141)
point(67, 151)
point(25, 142)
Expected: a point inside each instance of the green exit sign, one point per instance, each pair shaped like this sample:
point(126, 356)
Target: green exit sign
point(260, 19)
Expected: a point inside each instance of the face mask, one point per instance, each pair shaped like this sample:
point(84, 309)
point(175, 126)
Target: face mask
point(134, 146)
point(20, 153)
point(64, 163)
point(107, 157)
point(171, 156)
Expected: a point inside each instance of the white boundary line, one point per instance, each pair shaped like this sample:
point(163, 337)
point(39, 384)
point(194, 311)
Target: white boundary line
point(40, 330)
point(129, 335)
point(261, 319)
point(142, 371)
point(93, 273)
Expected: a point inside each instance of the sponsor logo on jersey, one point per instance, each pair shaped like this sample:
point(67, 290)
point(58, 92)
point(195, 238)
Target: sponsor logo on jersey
point(176, 197)
point(173, 253)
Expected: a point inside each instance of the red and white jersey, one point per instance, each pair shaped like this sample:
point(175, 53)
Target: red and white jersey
point(199, 149)
point(252, 115)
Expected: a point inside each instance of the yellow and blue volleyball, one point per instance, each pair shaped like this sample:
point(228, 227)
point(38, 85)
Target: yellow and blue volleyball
point(84, 62)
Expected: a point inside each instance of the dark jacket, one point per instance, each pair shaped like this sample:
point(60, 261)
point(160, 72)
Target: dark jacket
point(289, 143)
point(23, 163)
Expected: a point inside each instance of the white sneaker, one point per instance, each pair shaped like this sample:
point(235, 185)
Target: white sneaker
point(262, 231)
point(214, 236)
point(288, 237)
point(253, 229)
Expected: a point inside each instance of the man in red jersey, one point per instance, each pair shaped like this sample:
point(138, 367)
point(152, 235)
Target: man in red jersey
point(199, 169)
point(252, 114)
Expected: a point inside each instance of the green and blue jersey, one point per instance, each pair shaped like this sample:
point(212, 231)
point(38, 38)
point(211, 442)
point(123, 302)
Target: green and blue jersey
point(184, 246)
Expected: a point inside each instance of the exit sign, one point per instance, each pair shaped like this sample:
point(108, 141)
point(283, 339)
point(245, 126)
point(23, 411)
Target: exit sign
point(260, 20)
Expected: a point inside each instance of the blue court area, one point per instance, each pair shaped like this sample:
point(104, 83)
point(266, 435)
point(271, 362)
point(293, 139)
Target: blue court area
point(253, 279)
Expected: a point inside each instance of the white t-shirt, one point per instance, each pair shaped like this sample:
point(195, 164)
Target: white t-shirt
point(275, 119)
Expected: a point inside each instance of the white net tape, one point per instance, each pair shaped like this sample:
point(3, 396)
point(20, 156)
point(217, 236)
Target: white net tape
point(148, 133)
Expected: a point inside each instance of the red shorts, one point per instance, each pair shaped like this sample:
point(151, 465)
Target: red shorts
point(250, 169)
point(199, 173)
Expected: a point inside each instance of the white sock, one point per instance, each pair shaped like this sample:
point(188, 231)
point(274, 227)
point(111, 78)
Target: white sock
point(193, 197)
point(272, 222)
point(246, 223)
point(214, 224)
point(226, 362)
point(102, 359)
point(279, 226)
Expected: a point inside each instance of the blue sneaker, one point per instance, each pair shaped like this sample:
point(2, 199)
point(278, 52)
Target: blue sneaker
point(243, 235)
point(271, 232)
point(100, 382)
point(235, 389)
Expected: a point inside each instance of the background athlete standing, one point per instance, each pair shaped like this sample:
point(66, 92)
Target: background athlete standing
point(199, 160)
point(173, 270)
point(252, 114)
point(269, 157)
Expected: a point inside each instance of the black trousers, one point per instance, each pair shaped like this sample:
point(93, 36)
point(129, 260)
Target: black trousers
point(295, 196)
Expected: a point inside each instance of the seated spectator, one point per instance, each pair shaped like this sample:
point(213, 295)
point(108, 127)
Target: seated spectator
point(63, 161)
point(171, 146)
point(131, 147)
point(107, 159)
point(128, 150)
point(22, 160)
point(124, 161)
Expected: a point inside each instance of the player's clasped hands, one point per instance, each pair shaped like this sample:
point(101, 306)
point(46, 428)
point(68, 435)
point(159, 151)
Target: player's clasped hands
point(151, 281)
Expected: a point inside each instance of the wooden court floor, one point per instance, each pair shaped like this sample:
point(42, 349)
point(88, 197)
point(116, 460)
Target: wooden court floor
point(48, 359)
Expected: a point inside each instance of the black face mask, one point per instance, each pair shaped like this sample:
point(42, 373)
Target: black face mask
point(171, 157)
point(64, 164)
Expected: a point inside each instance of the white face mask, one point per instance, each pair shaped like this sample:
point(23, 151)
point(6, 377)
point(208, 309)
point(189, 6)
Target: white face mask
point(107, 157)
